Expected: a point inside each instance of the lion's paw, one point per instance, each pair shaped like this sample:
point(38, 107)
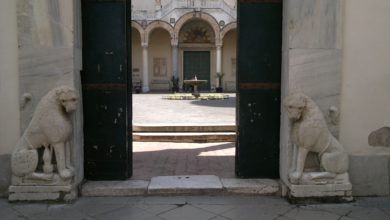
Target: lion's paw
point(66, 174)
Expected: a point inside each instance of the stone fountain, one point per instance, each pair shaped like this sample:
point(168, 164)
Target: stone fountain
point(195, 83)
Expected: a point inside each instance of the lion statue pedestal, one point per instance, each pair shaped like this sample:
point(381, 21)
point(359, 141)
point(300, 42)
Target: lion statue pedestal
point(40, 163)
point(319, 163)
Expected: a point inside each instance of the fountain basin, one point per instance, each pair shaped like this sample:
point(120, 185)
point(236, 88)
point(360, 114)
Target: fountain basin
point(195, 83)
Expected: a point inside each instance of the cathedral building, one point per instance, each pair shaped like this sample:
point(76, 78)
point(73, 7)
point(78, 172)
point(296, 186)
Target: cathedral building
point(184, 39)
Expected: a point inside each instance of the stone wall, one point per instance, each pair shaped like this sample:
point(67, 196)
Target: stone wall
point(311, 59)
point(9, 90)
point(49, 36)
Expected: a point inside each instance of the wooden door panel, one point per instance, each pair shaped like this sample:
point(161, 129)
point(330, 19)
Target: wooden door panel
point(197, 63)
point(107, 143)
point(258, 96)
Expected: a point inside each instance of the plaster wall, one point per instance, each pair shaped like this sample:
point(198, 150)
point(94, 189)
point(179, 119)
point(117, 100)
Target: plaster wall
point(136, 54)
point(159, 47)
point(365, 93)
point(229, 53)
point(366, 73)
point(9, 89)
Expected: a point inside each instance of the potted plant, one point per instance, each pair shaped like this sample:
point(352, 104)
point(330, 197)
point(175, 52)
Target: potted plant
point(219, 88)
point(175, 84)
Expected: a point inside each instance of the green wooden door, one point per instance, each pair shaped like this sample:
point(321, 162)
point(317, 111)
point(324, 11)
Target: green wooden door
point(258, 96)
point(197, 63)
point(107, 143)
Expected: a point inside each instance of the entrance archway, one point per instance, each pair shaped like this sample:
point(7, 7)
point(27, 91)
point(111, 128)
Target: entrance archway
point(258, 84)
point(196, 41)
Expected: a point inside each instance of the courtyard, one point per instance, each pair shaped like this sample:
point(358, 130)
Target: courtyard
point(167, 158)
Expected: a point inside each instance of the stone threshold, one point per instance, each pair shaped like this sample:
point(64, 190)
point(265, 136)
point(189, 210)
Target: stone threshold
point(184, 137)
point(139, 127)
point(182, 185)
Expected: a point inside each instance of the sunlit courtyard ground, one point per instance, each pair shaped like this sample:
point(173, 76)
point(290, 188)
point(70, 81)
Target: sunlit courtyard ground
point(164, 158)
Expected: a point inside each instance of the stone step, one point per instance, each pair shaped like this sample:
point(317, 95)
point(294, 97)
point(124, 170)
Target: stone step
point(187, 137)
point(184, 128)
point(182, 185)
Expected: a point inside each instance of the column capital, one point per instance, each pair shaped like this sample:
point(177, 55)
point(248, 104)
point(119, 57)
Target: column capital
point(218, 44)
point(144, 45)
point(174, 42)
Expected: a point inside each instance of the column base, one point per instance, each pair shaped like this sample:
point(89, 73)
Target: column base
point(145, 89)
point(339, 191)
point(42, 193)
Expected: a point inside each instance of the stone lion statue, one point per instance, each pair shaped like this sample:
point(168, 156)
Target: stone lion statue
point(50, 128)
point(309, 133)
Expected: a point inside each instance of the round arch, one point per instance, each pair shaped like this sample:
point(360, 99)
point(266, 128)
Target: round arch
point(227, 28)
point(139, 28)
point(158, 24)
point(197, 15)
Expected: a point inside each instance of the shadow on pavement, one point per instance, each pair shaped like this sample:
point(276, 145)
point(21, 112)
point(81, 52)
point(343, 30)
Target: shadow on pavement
point(227, 103)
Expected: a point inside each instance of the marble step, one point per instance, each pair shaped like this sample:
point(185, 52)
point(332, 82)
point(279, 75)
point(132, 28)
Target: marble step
point(182, 185)
point(187, 137)
point(184, 128)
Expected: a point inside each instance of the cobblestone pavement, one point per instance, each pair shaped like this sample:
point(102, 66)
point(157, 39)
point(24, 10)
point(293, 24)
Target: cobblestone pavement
point(196, 208)
point(152, 109)
point(169, 159)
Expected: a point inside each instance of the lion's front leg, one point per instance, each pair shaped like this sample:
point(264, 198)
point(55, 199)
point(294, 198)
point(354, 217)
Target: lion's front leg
point(63, 171)
point(47, 156)
point(68, 156)
point(300, 164)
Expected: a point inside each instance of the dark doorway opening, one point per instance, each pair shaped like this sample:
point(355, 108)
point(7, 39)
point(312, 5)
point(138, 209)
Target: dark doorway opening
point(197, 63)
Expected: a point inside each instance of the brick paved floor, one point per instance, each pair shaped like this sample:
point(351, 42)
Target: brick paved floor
point(167, 159)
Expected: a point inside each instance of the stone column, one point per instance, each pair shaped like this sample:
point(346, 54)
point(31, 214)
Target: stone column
point(219, 60)
point(145, 77)
point(174, 60)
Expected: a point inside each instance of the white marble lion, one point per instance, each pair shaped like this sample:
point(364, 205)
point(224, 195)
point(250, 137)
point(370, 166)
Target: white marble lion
point(50, 128)
point(310, 133)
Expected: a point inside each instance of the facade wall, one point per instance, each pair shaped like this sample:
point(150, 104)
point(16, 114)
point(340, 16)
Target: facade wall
point(136, 55)
point(150, 5)
point(9, 89)
point(365, 105)
point(229, 56)
point(180, 19)
point(160, 60)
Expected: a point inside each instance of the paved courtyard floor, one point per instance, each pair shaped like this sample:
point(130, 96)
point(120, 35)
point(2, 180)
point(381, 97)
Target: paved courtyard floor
point(167, 159)
point(152, 109)
point(196, 208)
